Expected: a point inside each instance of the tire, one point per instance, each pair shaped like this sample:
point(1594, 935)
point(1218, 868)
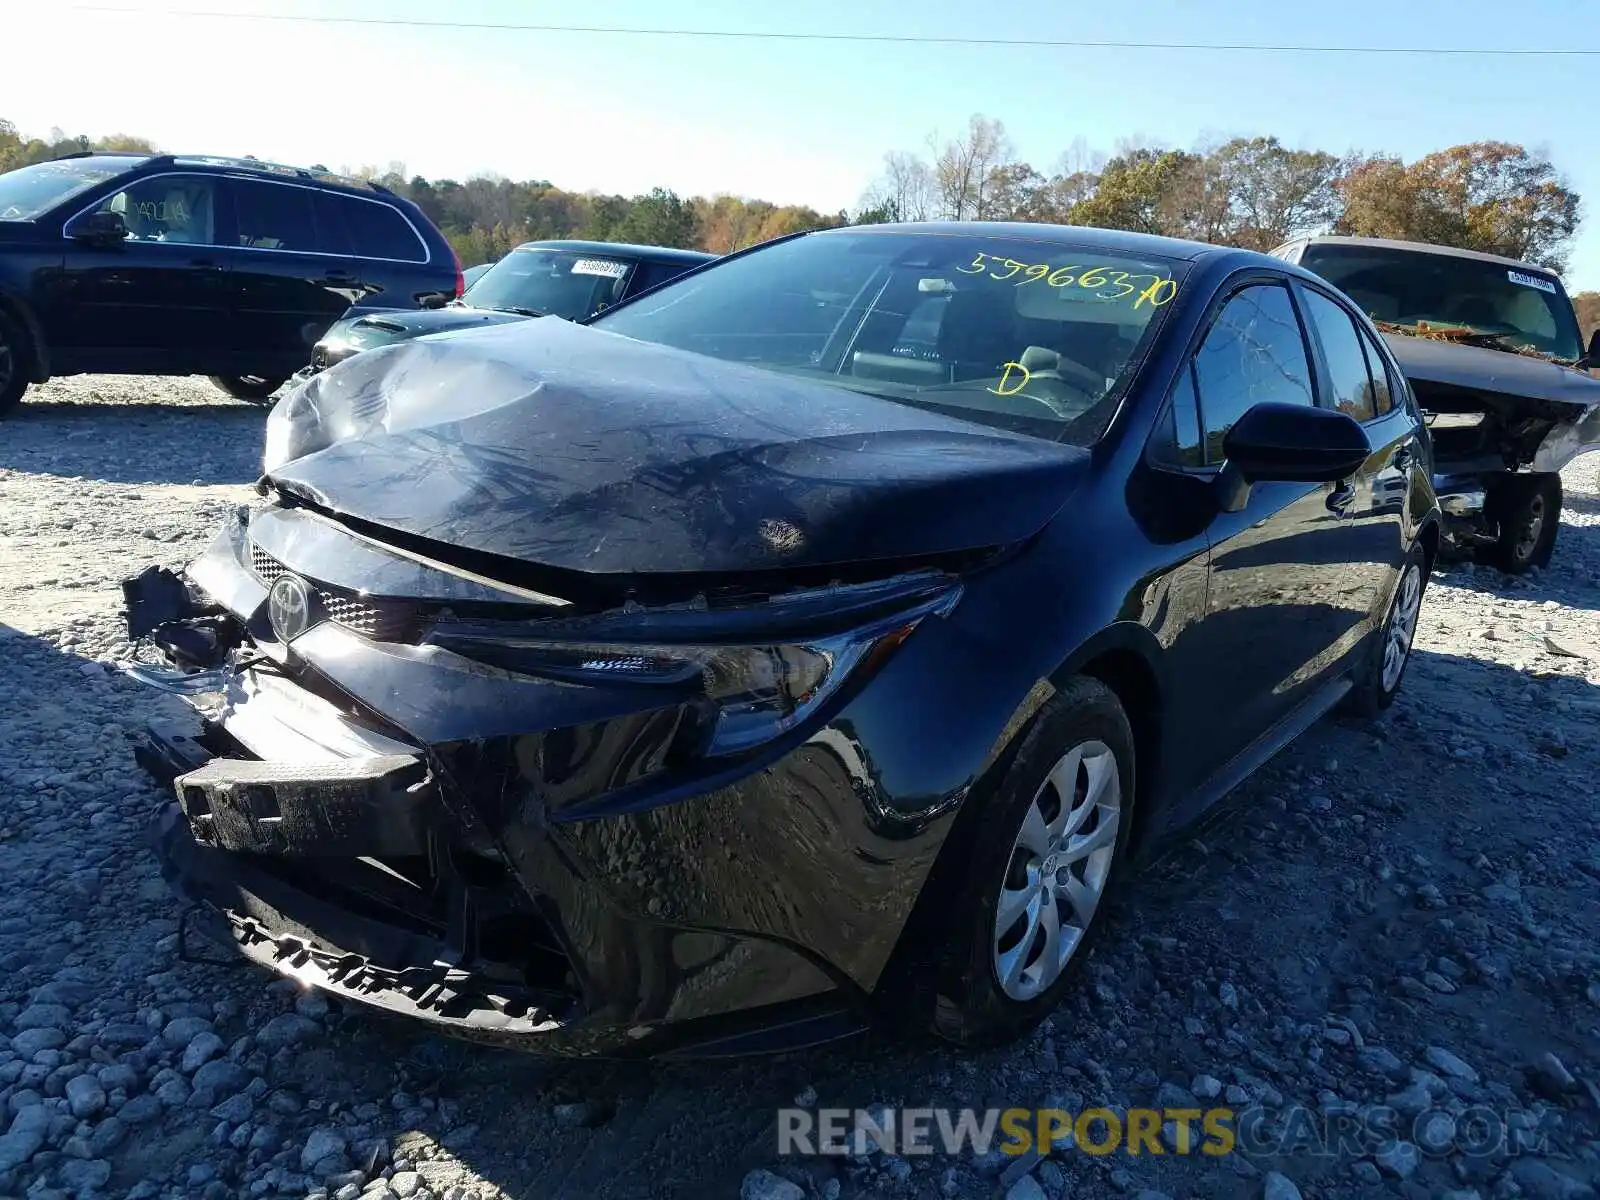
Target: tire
point(14, 359)
point(254, 388)
point(996, 983)
point(1527, 510)
point(1388, 651)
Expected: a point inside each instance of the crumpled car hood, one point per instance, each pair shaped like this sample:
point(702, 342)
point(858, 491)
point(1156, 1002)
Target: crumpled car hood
point(566, 446)
point(1510, 374)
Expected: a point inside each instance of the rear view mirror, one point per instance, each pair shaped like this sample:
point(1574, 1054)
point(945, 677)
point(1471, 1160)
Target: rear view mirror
point(104, 228)
point(1295, 443)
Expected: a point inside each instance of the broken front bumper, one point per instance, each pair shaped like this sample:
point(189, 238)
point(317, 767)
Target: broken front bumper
point(426, 875)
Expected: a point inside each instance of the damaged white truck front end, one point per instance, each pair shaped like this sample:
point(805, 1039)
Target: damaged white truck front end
point(1492, 351)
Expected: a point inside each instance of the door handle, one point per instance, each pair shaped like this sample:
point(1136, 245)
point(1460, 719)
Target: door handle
point(206, 264)
point(338, 275)
point(1342, 496)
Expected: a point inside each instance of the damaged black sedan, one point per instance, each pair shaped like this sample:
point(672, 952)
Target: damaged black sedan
point(811, 643)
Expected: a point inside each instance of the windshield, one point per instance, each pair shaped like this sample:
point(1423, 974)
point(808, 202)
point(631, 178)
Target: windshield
point(1027, 335)
point(1509, 308)
point(562, 283)
point(29, 191)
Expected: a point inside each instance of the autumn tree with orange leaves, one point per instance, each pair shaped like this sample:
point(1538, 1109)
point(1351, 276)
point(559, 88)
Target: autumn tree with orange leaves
point(1491, 196)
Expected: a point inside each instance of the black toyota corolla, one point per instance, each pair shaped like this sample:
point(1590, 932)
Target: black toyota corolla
point(812, 642)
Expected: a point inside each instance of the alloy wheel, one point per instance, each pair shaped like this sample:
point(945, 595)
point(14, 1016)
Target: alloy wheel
point(1528, 531)
point(1060, 864)
point(1402, 626)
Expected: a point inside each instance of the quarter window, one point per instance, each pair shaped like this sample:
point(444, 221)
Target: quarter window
point(1347, 361)
point(1253, 354)
point(375, 229)
point(168, 208)
point(274, 217)
point(1177, 438)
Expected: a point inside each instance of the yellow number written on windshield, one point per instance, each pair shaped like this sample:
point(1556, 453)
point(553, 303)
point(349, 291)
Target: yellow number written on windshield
point(1107, 283)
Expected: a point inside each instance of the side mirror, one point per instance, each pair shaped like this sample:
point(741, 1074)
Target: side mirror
point(1295, 443)
point(103, 228)
point(1592, 358)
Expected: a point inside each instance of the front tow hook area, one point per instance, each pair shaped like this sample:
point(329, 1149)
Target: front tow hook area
point(194, 635)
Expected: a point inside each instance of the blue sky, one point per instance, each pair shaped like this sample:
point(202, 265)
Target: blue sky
point(799, 122)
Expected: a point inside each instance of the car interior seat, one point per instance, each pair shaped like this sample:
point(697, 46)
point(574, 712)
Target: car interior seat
point(187, 215)
point(1475, 310)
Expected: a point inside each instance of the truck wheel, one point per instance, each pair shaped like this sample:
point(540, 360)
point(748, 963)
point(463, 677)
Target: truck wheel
point(1527, 509)
point(13, 365)
point(254, 388)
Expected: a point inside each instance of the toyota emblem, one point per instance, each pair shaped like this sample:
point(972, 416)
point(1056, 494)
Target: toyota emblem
point(289, 608)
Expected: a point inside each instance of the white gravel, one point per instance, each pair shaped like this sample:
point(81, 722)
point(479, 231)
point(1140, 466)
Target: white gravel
point(1401, 914)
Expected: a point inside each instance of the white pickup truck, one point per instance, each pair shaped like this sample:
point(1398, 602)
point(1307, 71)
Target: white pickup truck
point(1493, 352)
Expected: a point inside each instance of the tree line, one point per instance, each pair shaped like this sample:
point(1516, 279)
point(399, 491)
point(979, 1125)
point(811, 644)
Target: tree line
point(1252, 192)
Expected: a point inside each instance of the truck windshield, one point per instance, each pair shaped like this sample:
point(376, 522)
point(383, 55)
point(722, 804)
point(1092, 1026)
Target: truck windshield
point(29, 192)
point(1493, 304)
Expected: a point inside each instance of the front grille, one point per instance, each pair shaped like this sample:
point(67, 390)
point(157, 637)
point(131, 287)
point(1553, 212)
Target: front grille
point(390, 621)
point(352, 614)
point(264, 565)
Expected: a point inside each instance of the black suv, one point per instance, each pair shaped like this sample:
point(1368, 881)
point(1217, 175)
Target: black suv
point(171, 265)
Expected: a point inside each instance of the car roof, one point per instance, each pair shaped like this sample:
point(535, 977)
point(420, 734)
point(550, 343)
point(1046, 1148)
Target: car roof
point(137, 161)
point(626, 249)
point(1329, 239)
point(1087, 236)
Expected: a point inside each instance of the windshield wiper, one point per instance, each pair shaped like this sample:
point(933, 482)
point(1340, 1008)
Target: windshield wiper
point(521, 312)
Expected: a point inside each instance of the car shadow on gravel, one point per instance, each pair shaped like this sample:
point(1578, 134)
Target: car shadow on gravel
point(1588, 505)
point(136, 443)
point(1353, 879)
point(1330, 840)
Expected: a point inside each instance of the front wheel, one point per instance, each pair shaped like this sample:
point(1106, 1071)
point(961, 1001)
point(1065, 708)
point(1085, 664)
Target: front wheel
point(254, 388)
point(1049, 847)
point(1527, 509)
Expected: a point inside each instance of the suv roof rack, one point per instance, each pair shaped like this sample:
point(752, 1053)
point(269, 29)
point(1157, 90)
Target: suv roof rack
point(108, 154)
point(263, 167)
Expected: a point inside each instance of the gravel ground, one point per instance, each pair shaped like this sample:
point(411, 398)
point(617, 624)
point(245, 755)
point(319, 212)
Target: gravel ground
point(1402, 914)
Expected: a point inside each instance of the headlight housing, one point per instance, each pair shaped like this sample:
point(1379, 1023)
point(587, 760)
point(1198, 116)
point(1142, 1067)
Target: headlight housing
point(751, 692)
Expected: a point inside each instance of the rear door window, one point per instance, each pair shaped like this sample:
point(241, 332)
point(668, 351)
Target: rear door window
point(1383, 386)
point(274, 216)
point(1347, 361)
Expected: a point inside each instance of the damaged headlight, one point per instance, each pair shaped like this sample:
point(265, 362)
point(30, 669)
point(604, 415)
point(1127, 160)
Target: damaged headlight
point(755, 692)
